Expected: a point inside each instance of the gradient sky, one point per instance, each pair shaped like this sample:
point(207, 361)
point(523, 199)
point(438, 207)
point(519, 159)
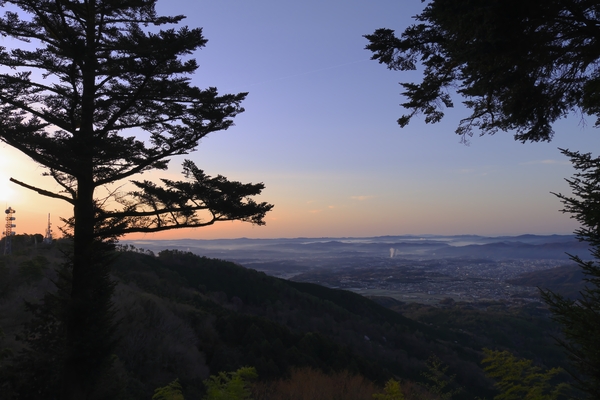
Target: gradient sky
point(320, 131)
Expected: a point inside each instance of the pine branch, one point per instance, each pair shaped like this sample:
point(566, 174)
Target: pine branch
point(43, 192)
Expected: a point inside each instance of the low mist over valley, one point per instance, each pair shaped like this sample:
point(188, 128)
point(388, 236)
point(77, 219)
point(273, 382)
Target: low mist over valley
point(424, 269)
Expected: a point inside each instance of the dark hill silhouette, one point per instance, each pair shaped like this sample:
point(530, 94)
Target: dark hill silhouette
point(298, 324)
point(518, 250)
point(566, 280)
point(185, 316)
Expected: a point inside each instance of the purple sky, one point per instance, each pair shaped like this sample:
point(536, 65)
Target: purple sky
point(320, 131)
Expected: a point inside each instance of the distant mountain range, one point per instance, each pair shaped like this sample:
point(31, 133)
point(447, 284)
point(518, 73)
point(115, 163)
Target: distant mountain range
point(512, 249)
point(406, 246)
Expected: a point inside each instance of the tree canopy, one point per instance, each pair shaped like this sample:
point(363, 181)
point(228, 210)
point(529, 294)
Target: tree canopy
point(104, 97)
point(519, 64)
point(517, 378)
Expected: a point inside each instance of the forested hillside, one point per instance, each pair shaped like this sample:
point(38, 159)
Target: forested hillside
point(181, 316)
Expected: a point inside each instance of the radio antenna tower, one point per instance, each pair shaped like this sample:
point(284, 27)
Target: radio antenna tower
point(48, 237)
point(9, 233)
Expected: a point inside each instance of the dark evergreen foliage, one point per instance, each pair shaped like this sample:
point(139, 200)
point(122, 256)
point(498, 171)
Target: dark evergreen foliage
point(36, 370)
point(519, 64)
point(580, 319)
point(107, 73)
point(97, 92)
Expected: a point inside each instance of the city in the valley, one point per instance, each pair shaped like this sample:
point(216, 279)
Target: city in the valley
point(426, 269)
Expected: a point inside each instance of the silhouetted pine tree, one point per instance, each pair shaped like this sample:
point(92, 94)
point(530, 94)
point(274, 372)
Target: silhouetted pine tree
point(580, 319)
point(88, 77)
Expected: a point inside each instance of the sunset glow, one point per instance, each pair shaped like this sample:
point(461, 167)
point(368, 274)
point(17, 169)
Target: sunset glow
point(320, 131)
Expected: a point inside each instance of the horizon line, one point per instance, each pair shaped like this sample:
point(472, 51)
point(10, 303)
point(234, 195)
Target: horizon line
point(363, 237)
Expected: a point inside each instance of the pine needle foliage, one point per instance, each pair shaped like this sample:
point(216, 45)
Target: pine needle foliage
point(519, 65)
point(519, 379)
point(391, 391)
point(438, 380)
point(230, 386)
point(580, 319)
point(172, 391)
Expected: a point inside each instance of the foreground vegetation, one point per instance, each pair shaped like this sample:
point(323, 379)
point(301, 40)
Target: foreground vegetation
point(184, 317)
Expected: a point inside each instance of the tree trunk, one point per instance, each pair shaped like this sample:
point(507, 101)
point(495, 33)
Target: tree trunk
point(89, 312)
point(81, 308)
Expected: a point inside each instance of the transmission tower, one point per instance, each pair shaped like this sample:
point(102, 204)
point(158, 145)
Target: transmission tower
point(9, 233)
point(48, 237)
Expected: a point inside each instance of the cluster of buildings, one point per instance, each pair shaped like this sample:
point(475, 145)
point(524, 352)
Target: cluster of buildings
point(429, 281)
